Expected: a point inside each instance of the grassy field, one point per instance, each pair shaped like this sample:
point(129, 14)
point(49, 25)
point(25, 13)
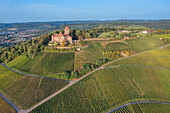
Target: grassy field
point(106, 35)
point(109, 87)
point(26, 91)
point(136, 45)
point(144, 108)
point(159, 58)
point(44, 63)
point(5, 107)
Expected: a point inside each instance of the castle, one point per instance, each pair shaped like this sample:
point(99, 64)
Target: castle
point(60, 37)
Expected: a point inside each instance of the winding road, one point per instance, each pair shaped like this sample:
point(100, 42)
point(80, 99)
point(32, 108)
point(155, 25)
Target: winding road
point(75, 81)
point(136, 102)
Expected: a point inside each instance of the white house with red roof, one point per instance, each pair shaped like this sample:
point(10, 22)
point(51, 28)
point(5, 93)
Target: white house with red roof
point(60, 37)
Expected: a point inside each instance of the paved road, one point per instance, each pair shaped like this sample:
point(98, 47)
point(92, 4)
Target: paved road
point(73, 82)
point(32, 75)
point(136, 103)
point(10, 103)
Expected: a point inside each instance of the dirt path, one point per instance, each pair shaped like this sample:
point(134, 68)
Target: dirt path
point(75, 81)
point(136, 102)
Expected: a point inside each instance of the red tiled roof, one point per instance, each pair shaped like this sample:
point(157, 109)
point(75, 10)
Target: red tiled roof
point(66, 27)
point(60, 33)
point(56, 35)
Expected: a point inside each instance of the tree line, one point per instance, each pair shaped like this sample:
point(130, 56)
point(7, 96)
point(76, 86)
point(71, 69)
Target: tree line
point(30, 47)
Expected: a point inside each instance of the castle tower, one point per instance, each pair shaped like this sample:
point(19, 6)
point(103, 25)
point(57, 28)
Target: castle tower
point(67, 30)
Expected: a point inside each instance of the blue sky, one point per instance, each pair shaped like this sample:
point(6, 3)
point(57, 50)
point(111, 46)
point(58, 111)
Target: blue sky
point(63, 10)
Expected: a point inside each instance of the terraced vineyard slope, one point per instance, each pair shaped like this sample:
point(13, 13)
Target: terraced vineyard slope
point(136, 45)
point(159, 58)
point(25, 91)
point(5, 107)
point(144, 108)
point(44, 64)
point(109, 87)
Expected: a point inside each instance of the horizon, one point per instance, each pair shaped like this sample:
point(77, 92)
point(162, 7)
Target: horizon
point(83, 21)
point(49, 11)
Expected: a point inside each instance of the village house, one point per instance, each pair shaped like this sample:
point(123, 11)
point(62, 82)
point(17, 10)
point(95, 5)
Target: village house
point(60, 37)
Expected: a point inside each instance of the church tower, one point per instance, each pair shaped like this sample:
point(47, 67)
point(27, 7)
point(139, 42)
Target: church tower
point(67, 30)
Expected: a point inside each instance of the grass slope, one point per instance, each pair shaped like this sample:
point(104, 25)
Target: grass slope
point(26, 91)
point(159, 58)
point(44, 63)
point(109, 87)
point(136, 45)
point(5, 107)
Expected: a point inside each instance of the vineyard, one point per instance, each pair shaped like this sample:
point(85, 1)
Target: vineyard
point(44, 64)
point(159, 58)
point(108, 87)
point(5, 107)
point(90, 55)
point(26, 91)
point(136, 45)
point(164, 36)
point(144, 108)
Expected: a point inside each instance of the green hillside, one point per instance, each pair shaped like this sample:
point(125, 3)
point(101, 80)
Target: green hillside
point(144, 108)
point(159, 58)
point(26, 91)
point(109, 87)
point(90, 54)
point(136, 45)
point(44, 64)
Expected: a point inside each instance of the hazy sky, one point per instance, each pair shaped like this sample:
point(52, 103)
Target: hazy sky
point(54, 10)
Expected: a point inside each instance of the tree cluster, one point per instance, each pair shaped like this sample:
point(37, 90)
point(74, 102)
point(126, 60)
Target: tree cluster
point(82, 71)
point(30, 47)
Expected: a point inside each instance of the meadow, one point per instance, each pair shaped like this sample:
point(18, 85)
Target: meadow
point(109, 87)
point(26, 91)
point(144, 108)
point(158, 58)
point(44, 64)
point(5, 107)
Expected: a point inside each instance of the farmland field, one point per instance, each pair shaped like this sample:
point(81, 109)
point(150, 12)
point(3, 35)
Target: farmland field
point(136, 45)
point(144, 108)
point(5, 107)
point(109, 87)
point(26, 91)
point(44, 63)
point(159, 58)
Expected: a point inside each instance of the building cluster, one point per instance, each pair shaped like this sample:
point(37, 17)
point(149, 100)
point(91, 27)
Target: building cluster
point(62, 37)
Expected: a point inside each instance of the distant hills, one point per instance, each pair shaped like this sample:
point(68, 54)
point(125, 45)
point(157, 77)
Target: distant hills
point(157, 24)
